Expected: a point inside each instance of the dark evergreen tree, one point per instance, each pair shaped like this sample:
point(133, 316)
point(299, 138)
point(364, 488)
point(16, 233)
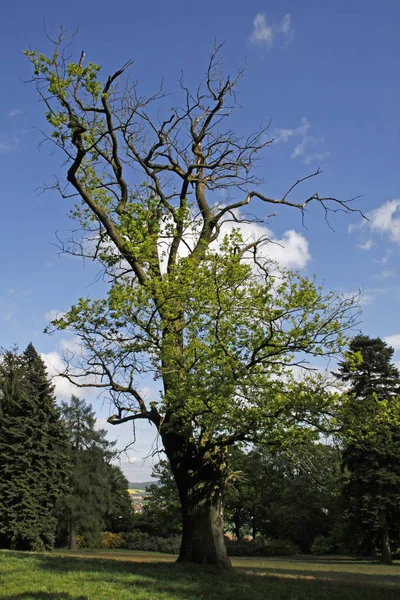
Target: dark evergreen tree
point(119, 516)
point(81, 512)
point(161, 515)
point(33, 453)
point(370, 433)
point(282, 495)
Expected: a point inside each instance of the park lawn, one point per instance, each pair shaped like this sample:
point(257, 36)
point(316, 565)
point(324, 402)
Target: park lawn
point(123, 575)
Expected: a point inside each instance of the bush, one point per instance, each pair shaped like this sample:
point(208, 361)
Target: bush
point(321, 545)
point(112, 540)
point(260, 547)
point(137, 540)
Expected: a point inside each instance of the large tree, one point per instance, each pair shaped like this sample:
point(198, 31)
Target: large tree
point(282, 495)
point(82, 510)
point(370, 433)
point(161, 514)
point(200, 309)
point(119, 516)
point(33, 453)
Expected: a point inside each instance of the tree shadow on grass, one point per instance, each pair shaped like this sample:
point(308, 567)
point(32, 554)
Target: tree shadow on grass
point(183, 581)
point(42, 596)
point(359, 579)
point(330, 560)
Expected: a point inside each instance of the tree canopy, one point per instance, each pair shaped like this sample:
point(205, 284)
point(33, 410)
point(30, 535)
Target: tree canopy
point(33, 453)
point(370, 434)
point(81, 510)
point(195, 305)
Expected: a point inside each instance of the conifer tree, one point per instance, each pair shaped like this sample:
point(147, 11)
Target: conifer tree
point(33, 453)
point(370, 423)
point(119, 515)
point(81, 511)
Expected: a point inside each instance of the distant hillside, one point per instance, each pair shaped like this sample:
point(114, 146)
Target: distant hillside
point(141, 486)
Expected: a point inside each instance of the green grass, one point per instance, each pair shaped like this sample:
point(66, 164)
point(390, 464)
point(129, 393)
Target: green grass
point(123, 575)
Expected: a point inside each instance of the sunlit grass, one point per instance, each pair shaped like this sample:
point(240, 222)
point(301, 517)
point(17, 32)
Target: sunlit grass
point(123, 575)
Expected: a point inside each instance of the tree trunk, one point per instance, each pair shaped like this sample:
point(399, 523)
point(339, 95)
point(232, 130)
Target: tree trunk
point(386, 554)
point(73, 545)
point(200, 477)
point(203, 533)
point(238, 523)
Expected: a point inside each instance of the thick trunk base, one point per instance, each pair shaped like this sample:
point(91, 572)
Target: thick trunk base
point(200, 477)
point(386, 553)
point(203, 538)
point(73, 544)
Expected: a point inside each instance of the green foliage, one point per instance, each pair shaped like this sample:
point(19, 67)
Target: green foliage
point(261, 547)
point(322, 545)
point(81, 511)
point(217, 324)
point(33, 453)
point(138, 540)
point(145, 576)
point(287, 495)
point(119, 515)
point(161, 514)
point(112, 540)
point(217, 331)
point(369, 417)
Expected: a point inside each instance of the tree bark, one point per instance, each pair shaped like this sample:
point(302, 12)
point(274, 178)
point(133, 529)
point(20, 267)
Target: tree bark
point(238, 524)
point(386, 553)
point(200, 477)
point(203, 533)
point(73, 545)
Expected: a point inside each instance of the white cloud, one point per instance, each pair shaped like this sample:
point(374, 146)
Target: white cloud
point(384, 260)
point(14, 112)
point(286, 26)
point(53, 314)
point(71, 346)
point(55, 365)
point(265, 34)
point(366, 245)
point(283, 135)
point(386, 219)
point(354, 227)
point(307, 146)
point(10, 313)
point(393, 341)
point(291, 251)
point(7, 143)
point(385, 274)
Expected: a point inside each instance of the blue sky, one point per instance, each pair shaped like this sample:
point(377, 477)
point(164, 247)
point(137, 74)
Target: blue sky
point(327, 75)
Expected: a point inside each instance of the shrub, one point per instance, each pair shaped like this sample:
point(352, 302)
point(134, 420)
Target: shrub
point(260, 547)
point(137, 540)
point(112, 540)
point(322, 545)
point(80, 541)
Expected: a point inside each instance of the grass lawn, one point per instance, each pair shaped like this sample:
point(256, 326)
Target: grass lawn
point(123, 575)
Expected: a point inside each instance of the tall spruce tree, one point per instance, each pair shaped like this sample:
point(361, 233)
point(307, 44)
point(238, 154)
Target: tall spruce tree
point(119, 515)
point(33, 453)
point(370, 422)
point(81, 511)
